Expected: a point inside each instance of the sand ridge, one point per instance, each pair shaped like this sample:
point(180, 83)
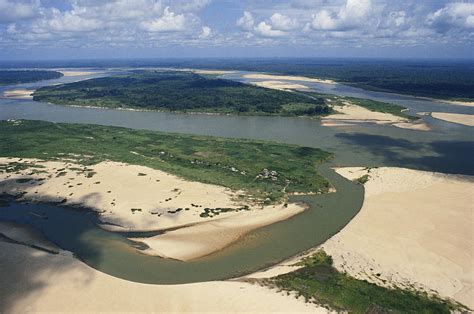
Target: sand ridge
point(19, 94)
point(279, 85)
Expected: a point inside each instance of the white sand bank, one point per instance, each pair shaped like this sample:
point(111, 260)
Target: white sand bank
point(414, 227)
point(35, 281)
point(23, 234)
point(351, 114)
point(212, 72)
point(459, 102)
point(140, 199)
point(279, 85)
point(260, 76)
point(207, 237)
point(464, 119)
point(76, 73)
point(19, 93)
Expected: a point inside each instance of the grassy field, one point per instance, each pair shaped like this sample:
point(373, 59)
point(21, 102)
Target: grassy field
point(379, 106)
point(181, 91)
point(16, 77)
point(320, 282)
point(265, 170)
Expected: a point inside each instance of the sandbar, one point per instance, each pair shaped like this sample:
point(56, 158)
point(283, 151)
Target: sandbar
point(261, 76)
point(19, 94)
point(352, 114)
point(279, 85)
point(77, 73)
point(464, 119)
point(138, 198)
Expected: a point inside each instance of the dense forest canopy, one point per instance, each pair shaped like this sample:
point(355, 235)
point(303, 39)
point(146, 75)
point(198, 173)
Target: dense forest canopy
point(9, 77)
point(181, 91)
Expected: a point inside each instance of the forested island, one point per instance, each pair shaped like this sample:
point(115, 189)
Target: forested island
point(9, 77)
point(184, 92)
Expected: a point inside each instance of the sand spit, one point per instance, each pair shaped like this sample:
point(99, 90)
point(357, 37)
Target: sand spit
point(138, 198)
point(458, 102)
point(351, 114)
point(19, 94)
point(464, 119)
point(279, 85)
point(35, 281)
point(260, 76)
point(76, 73)
point(205, 238)
point(212, 72)
point(415, 227)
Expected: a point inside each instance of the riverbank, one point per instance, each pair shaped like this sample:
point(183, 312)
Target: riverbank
point(350, 114)
point(36, 281)
point(205, 217)
point(414, 229)
point(464, 119)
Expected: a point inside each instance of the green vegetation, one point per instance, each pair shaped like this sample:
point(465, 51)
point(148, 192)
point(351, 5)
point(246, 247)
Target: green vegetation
point(320, 282)
point(438, 79)
point(17, 77)
point(363, 180)
point(181, 91)
point(265, 170)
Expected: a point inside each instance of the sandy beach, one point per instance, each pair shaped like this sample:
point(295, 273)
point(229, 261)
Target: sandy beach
point(415, 227)
point(464, 119)
point(261, 76)
point(279, 85)
point(19, 94)
point(351, 114)
point(211, 72)
point(36, 281)
point(137, 198)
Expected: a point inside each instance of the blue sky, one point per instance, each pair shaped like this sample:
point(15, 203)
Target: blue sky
point(75, 29)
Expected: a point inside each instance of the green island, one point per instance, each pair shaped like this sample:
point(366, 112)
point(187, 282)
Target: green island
point(9, 77)
point(266, 171)
point(183, 92)
point(320, 282)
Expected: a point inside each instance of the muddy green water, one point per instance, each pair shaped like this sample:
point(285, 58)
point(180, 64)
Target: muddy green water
point(447, 148)
point(76, 230)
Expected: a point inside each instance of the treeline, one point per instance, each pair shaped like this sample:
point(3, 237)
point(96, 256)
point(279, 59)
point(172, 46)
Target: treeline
point(181, 91)
point(17, 77)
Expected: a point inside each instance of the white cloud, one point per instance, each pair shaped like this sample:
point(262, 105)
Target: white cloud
point(169, 22)
point(266, 30)
point(11, 11)
point(453, 15)
point(349, 16)
point(246, 22)
point(69, 21)
point(282, 22)
point(206, 32)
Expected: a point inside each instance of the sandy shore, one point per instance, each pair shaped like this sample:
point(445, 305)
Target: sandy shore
point(259, 76)
point(212, 72)
point(138, 198)
point(415, 227)
point(351, 114)
point(36, 281)
point(76, 73)
point(19, 94)
point(464, 119)
point(458, 102)
point(279, 85)
point(205, 238)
